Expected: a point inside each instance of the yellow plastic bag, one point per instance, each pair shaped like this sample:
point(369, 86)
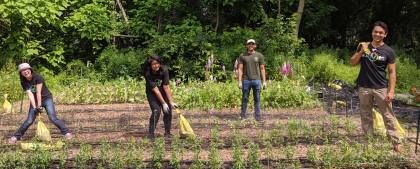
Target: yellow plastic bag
point(185, 129)
point(7, 107)
point(367, 51)
point(379, 125)
point(340, 104)
point(32, 146)
point(42, 131)
point(334, 86)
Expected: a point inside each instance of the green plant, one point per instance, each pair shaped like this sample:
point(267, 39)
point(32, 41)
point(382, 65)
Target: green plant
point(215, 159)
point(85, 156)
point(158, 153)
point(175, 158)
point(254, 160)
point(238, 160)
point(289, 152)
point(197, 150)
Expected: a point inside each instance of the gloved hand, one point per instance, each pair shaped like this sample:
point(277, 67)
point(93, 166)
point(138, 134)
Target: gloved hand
point(264, 85)
point(240, 85)
point(38, 109)
point(165, 108)
point(173, 104)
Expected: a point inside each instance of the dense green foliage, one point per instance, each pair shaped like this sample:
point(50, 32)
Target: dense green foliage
point(58, 37)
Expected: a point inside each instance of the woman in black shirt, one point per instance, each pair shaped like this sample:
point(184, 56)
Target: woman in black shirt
point(40, 97)
point(158, 95)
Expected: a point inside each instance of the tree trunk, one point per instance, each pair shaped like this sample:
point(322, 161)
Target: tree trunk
point(122, 10)
point(299, 15)
point(279, 8)
point(158, 21)
point(246, 22)
point(217, 19)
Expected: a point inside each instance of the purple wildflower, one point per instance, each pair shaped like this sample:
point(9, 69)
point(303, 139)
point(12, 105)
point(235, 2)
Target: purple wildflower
point(291, 72)
point(235, 76)
point(176, 82)
point(269, 82)
point(223, 67)
point(283, 70)
point(312, 78)
point(287, 66)
point(211, 111)
point(236, 64)
point(202, 83)
point(207, 68)
point(215, 80)
point(189, 89)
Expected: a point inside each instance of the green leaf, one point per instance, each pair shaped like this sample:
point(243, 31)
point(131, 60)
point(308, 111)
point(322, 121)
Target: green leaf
point(95, 45)
point(32, 51)
point(12, 45)
point(23, 11)
point(31, 8)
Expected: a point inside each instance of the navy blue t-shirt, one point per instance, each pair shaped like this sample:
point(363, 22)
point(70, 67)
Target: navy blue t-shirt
point(373, 65)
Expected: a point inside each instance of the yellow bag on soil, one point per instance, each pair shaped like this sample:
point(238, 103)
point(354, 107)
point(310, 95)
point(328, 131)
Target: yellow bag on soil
point(33, 146)
point(7, 107)
point(185, 129)
point(379, 125)
point(337, 87)
point(340, 104)
point(42, 131)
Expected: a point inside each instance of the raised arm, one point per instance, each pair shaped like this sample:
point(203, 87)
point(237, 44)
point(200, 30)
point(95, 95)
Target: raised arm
point(355, 59)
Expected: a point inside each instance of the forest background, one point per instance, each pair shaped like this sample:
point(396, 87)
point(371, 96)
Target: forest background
point(104, 40)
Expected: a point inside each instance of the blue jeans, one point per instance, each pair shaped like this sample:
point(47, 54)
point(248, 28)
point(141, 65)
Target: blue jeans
point(49, 107)
point(246, 88)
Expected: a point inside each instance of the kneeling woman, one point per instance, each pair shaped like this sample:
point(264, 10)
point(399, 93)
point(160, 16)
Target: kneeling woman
point(158, 95)
point(40, 97)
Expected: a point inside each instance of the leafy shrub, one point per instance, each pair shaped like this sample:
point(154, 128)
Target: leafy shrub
point(115, 63)
point(209, 94)
point(408, 75)
point(326, 66)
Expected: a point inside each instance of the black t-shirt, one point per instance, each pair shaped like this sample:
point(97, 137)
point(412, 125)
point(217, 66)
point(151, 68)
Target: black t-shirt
point(157, 80)
point(31, 85)
point(372, 71)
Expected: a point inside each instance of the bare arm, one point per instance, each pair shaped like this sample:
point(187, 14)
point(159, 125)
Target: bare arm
point(158, 95)
point(38, 93)
point(262, 69)
point(168, 92)
point(355, 59)
point(392, 81)
point(240, 67)
point(31, 98)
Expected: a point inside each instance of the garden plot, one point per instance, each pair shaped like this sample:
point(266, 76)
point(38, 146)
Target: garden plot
point(115, 135)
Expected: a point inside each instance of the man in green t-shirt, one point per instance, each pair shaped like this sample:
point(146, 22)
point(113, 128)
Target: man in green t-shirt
point(251, 64)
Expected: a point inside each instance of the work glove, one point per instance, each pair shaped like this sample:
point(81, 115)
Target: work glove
point(264, 85)
point(173, 104)
point(240, 85)
point(165, 108)
point(38, 109)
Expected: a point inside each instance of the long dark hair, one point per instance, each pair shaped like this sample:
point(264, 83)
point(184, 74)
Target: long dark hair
point(148, 64)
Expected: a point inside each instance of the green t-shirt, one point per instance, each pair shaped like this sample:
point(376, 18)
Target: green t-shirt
point(251, 65)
